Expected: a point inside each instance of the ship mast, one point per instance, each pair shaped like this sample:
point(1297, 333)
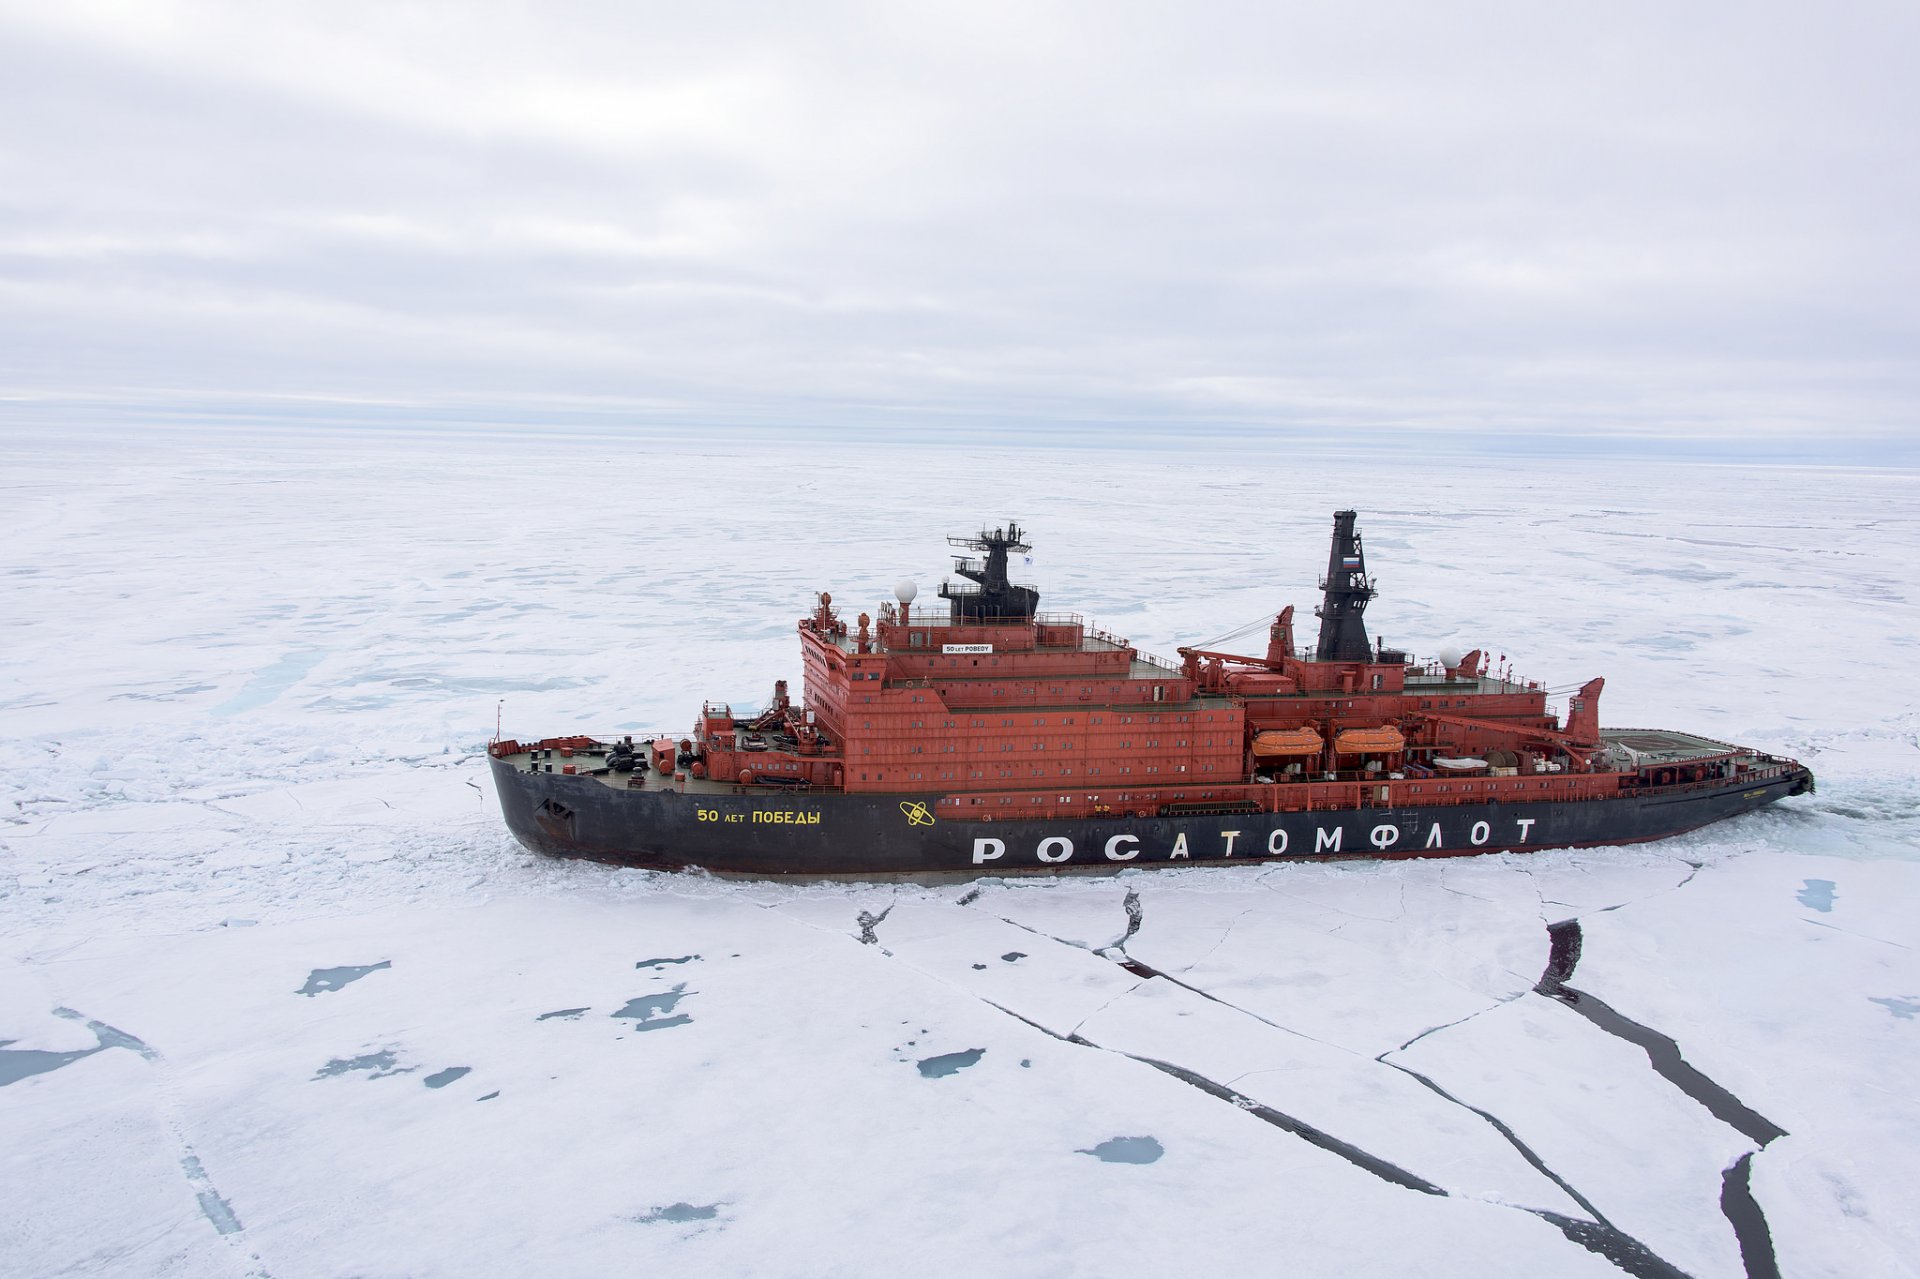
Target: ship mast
point(1347, 588)
point(996, 598)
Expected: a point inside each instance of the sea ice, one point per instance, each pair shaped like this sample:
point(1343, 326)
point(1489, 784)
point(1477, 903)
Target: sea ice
point(286, 728)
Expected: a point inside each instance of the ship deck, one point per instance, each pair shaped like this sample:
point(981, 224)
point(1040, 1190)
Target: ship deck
point(1664, 745)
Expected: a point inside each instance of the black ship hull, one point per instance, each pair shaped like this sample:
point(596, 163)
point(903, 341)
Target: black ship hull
point(761, 832)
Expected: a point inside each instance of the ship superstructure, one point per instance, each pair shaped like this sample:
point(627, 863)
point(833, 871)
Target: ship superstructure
point(996, 735)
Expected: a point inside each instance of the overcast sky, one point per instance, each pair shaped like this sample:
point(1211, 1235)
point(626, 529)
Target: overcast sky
point(1524, 219)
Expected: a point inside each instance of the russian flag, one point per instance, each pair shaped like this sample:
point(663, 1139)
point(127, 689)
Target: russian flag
point(1350, 561)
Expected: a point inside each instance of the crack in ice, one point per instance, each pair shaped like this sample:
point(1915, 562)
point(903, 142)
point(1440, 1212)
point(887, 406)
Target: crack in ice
point(1737, 1202)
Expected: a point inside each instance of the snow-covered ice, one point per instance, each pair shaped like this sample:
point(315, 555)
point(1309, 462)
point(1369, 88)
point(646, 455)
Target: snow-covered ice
point(279, 995)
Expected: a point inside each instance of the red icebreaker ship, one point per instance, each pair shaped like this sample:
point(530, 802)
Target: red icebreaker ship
point(1000, 738)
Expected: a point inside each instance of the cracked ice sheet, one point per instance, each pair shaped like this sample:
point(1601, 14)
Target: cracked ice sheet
point(1772, 998)
point(854, 1164)
point(1362, 955)
point(1053, 985)
point(1569, 882)
point(1383, 1111)
point(1592, 1109)
point(95, 1185)
point(1090, 914)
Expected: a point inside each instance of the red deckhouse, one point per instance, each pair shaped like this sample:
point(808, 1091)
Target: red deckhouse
point(999, 707)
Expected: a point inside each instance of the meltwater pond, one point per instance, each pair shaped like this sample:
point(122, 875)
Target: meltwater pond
point(323, 981)
point(950, 1063)
point(1127, 1150)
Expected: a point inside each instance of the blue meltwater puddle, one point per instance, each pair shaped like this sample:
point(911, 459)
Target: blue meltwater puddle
point(950, 1063)
point(655, 1012)
point(1127, 1150)
point(323, 980)
point(1817, 893)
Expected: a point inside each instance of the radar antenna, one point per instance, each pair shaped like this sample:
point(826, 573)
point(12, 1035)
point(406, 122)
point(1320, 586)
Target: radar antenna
point(995, 598)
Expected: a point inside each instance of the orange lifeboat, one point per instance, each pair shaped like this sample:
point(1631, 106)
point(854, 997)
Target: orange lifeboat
point(1369, 741)
point(1281, 743)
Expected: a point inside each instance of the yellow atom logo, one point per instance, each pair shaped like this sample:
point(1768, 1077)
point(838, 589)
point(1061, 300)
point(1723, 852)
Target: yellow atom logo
point(917, 814)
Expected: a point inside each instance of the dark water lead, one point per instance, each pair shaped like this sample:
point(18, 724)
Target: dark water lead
point(377, 1066)
point(655, 1012)
point(1126, 1150)
point(1662, 1052)
point(1671, 1066)
point(950, 1063)
point(321, 981)
point(565, 1014)
point(1740, 1208)
point(1597, 1237)
point(1737, 1203)
point(662, 963)
point(1287, 1123)
point(1817, 893)
point(1563, 956)
point(680, 1214)
point(441, 1078)
point(1014, 956)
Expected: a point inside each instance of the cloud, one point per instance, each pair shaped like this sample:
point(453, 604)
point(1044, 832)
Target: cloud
point(1484, 219)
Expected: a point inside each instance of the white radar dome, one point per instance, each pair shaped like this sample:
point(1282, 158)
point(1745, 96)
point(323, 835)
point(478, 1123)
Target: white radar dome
point(904, 591)
point(1450, 656)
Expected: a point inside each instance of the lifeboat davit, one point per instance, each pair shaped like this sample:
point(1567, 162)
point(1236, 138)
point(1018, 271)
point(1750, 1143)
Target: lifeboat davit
point(1284, 742)
point(1369, 741)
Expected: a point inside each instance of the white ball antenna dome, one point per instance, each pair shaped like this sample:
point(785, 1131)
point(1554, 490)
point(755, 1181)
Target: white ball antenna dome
point(1451, 655)
point(905, 591)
